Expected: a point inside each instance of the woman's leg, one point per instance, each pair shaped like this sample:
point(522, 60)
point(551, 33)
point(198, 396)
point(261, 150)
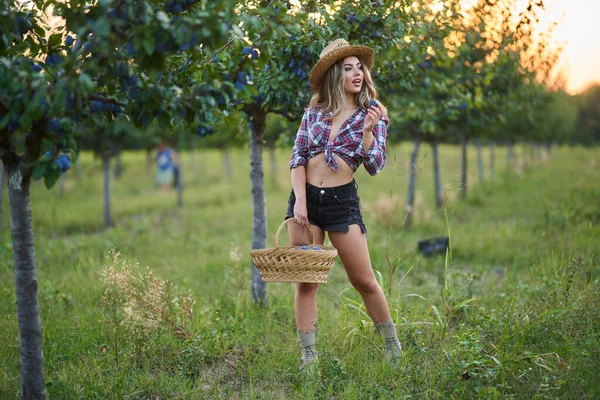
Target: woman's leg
point(305, 300)
point(354, 253)
point(353, 250)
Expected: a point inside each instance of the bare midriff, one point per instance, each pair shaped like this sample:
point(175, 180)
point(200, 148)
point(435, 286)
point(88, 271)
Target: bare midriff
point(319, 174)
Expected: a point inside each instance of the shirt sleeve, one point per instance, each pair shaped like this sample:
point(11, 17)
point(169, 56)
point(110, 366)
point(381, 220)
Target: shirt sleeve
point(300, 152)
point(374, 160)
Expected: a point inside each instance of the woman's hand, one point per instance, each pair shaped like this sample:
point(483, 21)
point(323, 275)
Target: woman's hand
point(300, 212)
point(373, 115)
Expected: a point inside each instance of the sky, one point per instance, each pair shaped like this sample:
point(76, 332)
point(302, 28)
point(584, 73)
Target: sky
point(580, 32)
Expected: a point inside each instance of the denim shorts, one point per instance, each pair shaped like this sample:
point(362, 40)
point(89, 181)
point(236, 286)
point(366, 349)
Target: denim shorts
point(332, 208)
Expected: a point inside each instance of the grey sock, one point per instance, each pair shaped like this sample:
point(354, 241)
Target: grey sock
point(308, 341)
point(393, 348)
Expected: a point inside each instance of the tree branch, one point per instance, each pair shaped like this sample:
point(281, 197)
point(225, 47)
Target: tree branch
point(104, 99)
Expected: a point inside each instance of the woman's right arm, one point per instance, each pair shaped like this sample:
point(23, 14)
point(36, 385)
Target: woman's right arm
point(298, 163)
point(299, 186)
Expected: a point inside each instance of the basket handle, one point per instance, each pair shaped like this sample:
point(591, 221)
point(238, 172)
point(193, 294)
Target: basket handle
point(287, 221)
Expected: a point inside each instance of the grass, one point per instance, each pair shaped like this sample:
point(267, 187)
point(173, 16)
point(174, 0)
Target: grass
point(513, 313)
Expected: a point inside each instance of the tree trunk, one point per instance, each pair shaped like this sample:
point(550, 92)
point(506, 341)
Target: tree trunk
point(259, 205)
point(463, 168)
point(61, 184)
point(1, 195)
point(479, 161)
point(149, 161)
point(492, 159)
point(532, 153)
point(79, 170)
point(227, 161)
point(118, 168)
point(179, 183)
point(509, 155)
point(28, 310)
point(193, 163)
point(107, 193)
point(273, 155)
point(203, 152)
point(436, 175)
point(549, 149)
point(410, 199)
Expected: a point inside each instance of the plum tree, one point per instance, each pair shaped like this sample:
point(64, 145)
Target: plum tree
point(120, 62)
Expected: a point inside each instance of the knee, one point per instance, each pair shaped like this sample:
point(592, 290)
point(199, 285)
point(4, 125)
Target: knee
point(366, 286)
point(306, 289)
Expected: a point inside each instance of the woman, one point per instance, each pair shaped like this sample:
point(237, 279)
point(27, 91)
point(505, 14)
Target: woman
point(342, 128)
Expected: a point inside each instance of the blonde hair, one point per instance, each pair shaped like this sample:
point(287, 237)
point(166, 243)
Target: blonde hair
point(331, 97)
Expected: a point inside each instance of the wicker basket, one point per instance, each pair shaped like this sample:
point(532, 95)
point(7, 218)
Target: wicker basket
point(290, 264)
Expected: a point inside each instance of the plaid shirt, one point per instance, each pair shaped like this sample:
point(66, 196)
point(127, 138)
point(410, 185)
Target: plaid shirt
point(313, 138)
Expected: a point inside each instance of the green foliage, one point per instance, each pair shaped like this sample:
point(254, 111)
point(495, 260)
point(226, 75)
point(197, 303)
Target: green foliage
point(279, 130)
point(477, 72)
point(587, 130)
point(114, 68)
point(113, 65)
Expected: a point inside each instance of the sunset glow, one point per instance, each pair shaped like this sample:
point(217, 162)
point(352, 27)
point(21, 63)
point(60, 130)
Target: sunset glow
point(580, 30)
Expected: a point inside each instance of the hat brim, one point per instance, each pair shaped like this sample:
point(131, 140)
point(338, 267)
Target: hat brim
point(364, 53)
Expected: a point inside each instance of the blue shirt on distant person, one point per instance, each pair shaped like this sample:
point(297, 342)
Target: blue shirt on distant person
point(164, 159)
point(164, 163)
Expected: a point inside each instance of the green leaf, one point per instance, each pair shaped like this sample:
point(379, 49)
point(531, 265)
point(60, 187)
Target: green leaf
point(148, 45)
point(157, 62)
point(85, 81)
point(102, 27)
point(39, 30)
point(39, 171)
point(163, 18)
point(55, 40)
point(33, 46)
point(51, 178)
point(4, 121)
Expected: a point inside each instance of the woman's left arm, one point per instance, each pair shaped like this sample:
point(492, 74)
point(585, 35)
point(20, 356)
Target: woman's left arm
point(374, 138)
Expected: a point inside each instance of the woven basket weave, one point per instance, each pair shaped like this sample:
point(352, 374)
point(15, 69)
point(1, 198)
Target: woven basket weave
point(289, 264)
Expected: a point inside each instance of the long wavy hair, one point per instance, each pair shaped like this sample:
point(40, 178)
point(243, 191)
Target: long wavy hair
point(331, 97)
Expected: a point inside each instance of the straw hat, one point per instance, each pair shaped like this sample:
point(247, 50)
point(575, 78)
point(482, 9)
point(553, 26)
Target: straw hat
point(335, 51)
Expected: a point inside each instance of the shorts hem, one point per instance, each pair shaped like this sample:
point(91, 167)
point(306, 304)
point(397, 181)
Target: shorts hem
point(336, 228)
point(345, 227)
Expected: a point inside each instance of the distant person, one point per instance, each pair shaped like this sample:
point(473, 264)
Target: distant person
point(165, 164)
point(342, 128)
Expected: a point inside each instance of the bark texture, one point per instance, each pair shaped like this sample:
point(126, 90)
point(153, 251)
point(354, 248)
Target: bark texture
point(227, 162)
point(509, 155)
point(492, 159)
point(61, 184)
point(463, 169)
point(1, 194)
point(180, 186)
point(149, 161)
point(412, 174)
point(437, 179)
point(479, 161)
point(259, 205)
point(28, 310)
point(107, 191)
point(194, 169)
point(118, 168)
